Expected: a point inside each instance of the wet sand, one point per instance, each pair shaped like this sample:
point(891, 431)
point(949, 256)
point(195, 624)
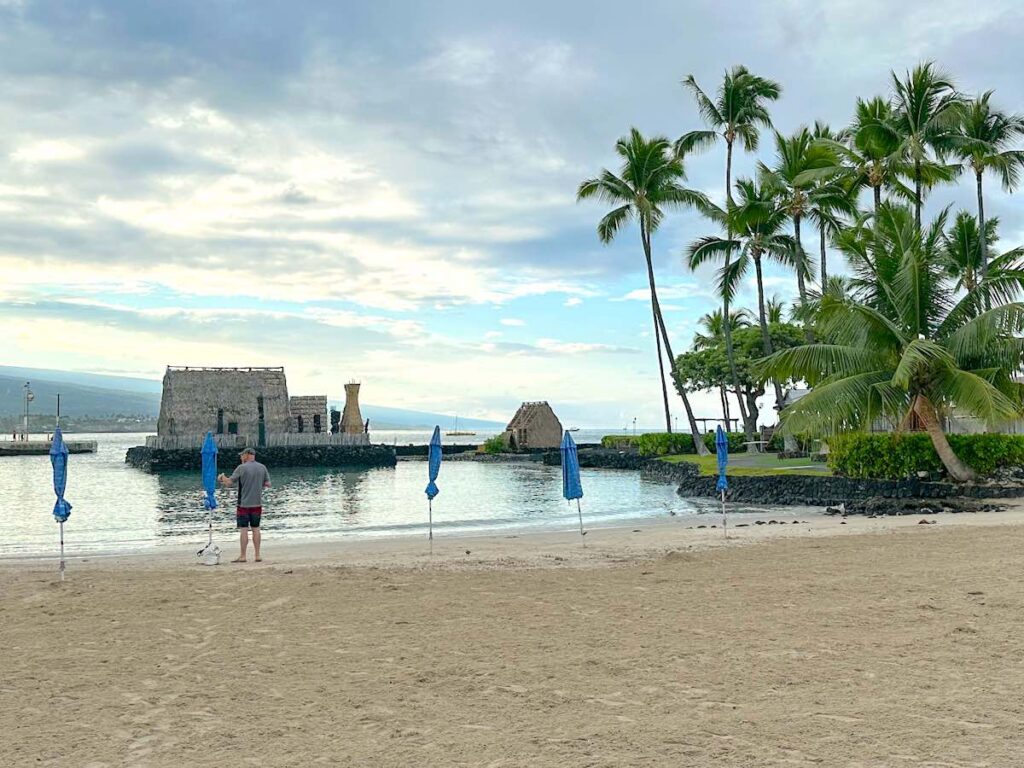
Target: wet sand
point(875, 643)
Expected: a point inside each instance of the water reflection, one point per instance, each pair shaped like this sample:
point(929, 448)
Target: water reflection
point(117, 507)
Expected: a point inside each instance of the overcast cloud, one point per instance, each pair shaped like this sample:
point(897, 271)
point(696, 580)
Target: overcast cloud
point(387, 190)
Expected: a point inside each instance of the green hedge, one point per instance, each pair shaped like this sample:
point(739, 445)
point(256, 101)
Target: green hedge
point(896, 456)
point(664, 444)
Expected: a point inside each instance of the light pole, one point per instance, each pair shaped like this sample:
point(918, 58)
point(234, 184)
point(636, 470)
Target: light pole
point(634, 426)
point(29, 397)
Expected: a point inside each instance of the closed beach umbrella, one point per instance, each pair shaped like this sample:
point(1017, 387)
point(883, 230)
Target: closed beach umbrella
point(433, 468)
point(572, 488)
point(209, 456)
point(722, 450)
point(62, 509)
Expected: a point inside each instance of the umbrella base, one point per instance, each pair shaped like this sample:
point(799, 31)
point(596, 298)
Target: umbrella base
point(209, 555)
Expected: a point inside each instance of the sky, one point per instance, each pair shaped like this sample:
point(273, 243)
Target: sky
point(386, 191)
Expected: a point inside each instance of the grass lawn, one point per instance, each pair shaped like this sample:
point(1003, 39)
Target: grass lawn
point(753, 465)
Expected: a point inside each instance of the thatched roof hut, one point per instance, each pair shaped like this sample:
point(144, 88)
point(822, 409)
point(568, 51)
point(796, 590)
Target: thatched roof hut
point(309, 413)
point(224, 400)
point(534, 426)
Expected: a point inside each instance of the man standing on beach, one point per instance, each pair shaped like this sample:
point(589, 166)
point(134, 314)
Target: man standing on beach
point(251, 477)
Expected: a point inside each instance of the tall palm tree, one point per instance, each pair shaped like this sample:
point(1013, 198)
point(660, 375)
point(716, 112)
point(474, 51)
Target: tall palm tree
point(927, 110)
point(825, 212)
point(713, 324)
point(754, 223)
point(984, 141)
point(798, 194)
point(962, 259)
point(649, 182)
point(905, 345)
point(736, 114)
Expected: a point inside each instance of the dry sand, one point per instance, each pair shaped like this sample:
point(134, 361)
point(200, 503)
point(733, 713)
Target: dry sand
point(894, 644)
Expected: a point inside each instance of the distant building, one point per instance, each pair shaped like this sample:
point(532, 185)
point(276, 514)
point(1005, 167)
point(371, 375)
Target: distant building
point(247, 406)
point(534, 426)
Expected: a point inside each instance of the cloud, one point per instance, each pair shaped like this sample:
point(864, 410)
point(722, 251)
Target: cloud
point(676, 291)
point(573, 301)
point(512, 321)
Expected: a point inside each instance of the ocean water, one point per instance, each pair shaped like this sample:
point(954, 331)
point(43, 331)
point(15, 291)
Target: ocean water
point(118, 508)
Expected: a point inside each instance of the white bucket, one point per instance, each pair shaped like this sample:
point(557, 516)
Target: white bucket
point(210, 555)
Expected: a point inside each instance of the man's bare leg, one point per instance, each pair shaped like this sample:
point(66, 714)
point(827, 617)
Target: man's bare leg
point(256, 542)
point(243, 543)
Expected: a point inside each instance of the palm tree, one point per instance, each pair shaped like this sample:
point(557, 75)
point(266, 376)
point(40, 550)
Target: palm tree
point(826, 212)
point(962, 258)
point(798, 194)
point(904, 345)
point(775, 308)
point(735, 114)
point(754, 224)
point(984, 142)
point(649, 181)
point(926, 115)
point(713, 324)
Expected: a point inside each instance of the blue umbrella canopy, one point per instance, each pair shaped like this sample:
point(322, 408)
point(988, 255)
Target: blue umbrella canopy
point(59, 460)
point(571, 486)
point(209, 454)
point(434, 464)
point(722, 449)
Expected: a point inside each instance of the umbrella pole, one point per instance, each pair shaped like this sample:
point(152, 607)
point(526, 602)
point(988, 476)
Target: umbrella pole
point(725, 520)
point(62, 551)
point(582, 532)
point(430, 521)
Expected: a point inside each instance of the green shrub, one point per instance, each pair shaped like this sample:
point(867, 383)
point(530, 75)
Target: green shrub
point(619, 442)
point(496, 444)
point(664, 444)
point(895, 456)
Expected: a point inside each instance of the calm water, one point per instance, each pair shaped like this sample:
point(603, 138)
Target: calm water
point(118, 508)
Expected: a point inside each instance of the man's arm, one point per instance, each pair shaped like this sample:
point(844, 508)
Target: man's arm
point(266, 478)
point(229, 481)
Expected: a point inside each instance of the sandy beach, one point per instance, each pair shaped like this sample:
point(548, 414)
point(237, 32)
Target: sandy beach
point(878, 642)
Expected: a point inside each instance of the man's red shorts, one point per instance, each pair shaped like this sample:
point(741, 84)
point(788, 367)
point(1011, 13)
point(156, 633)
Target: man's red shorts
point(248, 517)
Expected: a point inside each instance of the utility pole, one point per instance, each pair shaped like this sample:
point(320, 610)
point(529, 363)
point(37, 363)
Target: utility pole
point(29, 397)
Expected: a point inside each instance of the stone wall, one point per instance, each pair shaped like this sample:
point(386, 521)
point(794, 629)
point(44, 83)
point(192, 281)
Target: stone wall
point(602, 458)
point(158, 460)
point(823, 491)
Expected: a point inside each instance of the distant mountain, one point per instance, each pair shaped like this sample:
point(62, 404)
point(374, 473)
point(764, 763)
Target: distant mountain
point(382, 417)
point(89, 394)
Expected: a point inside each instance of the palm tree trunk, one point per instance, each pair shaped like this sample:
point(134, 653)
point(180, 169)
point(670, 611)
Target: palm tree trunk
point(824, 269)
point(729, 353)
point(725, 405)
point(661, 372)
point(930, 419)
point(659, 321)
point(766, 338)
point(983, 243)
point(917, 195)
point(801, 285)
point(657, 335)
point(878, 199)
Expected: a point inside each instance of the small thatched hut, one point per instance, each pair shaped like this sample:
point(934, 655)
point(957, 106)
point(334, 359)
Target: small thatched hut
point(309, 413)
point(534, 426)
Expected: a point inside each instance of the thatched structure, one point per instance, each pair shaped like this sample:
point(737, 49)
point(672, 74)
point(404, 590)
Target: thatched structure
point(534, 426)
point(224, 400)
point(351, 417)
point(309, 413)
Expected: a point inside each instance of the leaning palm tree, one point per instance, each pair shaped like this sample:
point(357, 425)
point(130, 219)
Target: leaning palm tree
point(754, 223)
point(926, 116)
point(984, 142)
point(649, 181)
point(736, 114)
point(904, 344)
